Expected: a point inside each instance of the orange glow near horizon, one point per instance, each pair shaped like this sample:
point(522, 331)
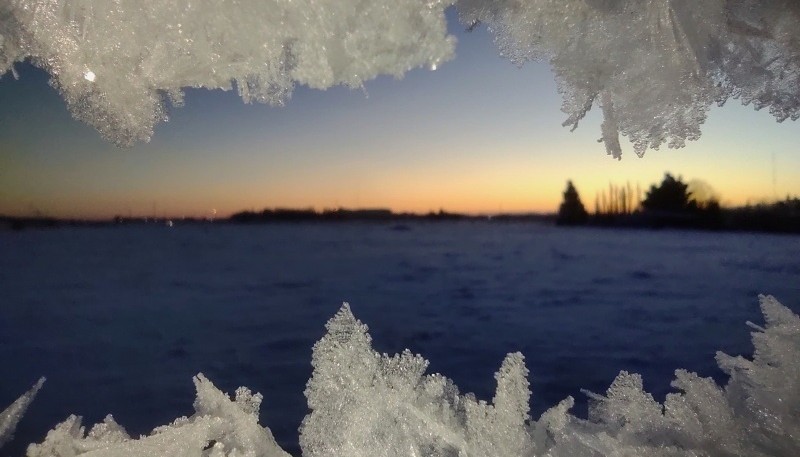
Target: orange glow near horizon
point(510, 183)
point(421, 144)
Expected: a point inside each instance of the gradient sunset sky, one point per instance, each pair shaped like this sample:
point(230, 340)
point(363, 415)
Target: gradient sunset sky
point(478, 135)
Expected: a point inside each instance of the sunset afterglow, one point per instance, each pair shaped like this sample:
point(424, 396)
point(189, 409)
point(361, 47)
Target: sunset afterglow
point(476, 136)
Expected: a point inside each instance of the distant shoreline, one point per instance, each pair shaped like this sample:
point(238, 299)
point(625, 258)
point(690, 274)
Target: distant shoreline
point(278, 215)
point(747, 219)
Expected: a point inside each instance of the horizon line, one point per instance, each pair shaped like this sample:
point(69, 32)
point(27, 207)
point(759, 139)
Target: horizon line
point(308, 209)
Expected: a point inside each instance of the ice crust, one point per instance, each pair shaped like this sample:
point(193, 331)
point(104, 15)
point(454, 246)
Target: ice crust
point(654, 67)
point(363, 403)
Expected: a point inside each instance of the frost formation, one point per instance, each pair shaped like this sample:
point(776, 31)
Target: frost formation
point(118, 62)
point(220, 427)
point(363, 403)
point(654, 67)
point(367, 404)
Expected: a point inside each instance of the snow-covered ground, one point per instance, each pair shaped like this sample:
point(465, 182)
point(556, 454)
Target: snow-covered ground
point(120, 319)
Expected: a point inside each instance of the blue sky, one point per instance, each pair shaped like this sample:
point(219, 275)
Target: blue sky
point(477, 135)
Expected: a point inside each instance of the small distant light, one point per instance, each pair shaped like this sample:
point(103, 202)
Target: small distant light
point(433, 67)
point(89, 76)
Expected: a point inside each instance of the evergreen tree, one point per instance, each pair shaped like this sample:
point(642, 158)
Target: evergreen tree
point(672, 196)
point(571, 211)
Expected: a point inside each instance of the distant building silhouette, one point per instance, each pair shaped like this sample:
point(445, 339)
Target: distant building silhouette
point(571, 211)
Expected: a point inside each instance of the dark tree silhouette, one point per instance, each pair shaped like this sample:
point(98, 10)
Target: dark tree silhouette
point(571, 211)
point(671, 196)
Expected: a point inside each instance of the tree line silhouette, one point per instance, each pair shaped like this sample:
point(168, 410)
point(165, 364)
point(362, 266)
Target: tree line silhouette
point(675, 203)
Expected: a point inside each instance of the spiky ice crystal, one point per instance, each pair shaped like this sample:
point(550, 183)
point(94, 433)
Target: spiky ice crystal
point(11, 415)
point(363, 403)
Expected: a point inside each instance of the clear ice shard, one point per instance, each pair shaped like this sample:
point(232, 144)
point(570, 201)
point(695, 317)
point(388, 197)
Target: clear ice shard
point(10, 417)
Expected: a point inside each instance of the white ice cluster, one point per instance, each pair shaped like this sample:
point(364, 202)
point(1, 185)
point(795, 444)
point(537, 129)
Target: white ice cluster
point(363, 403)
point(118, 62)
point(654, 66)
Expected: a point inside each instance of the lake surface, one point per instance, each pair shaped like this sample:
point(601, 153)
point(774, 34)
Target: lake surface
point(119, 319)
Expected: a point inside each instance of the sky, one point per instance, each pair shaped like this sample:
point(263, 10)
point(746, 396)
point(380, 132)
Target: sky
point(478, 135)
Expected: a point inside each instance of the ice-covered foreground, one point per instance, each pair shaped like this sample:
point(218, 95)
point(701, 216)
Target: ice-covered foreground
point(368, 404)
point(655, 67)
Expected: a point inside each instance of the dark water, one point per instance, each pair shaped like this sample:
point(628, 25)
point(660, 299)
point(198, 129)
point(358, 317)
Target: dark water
point(120, 319)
